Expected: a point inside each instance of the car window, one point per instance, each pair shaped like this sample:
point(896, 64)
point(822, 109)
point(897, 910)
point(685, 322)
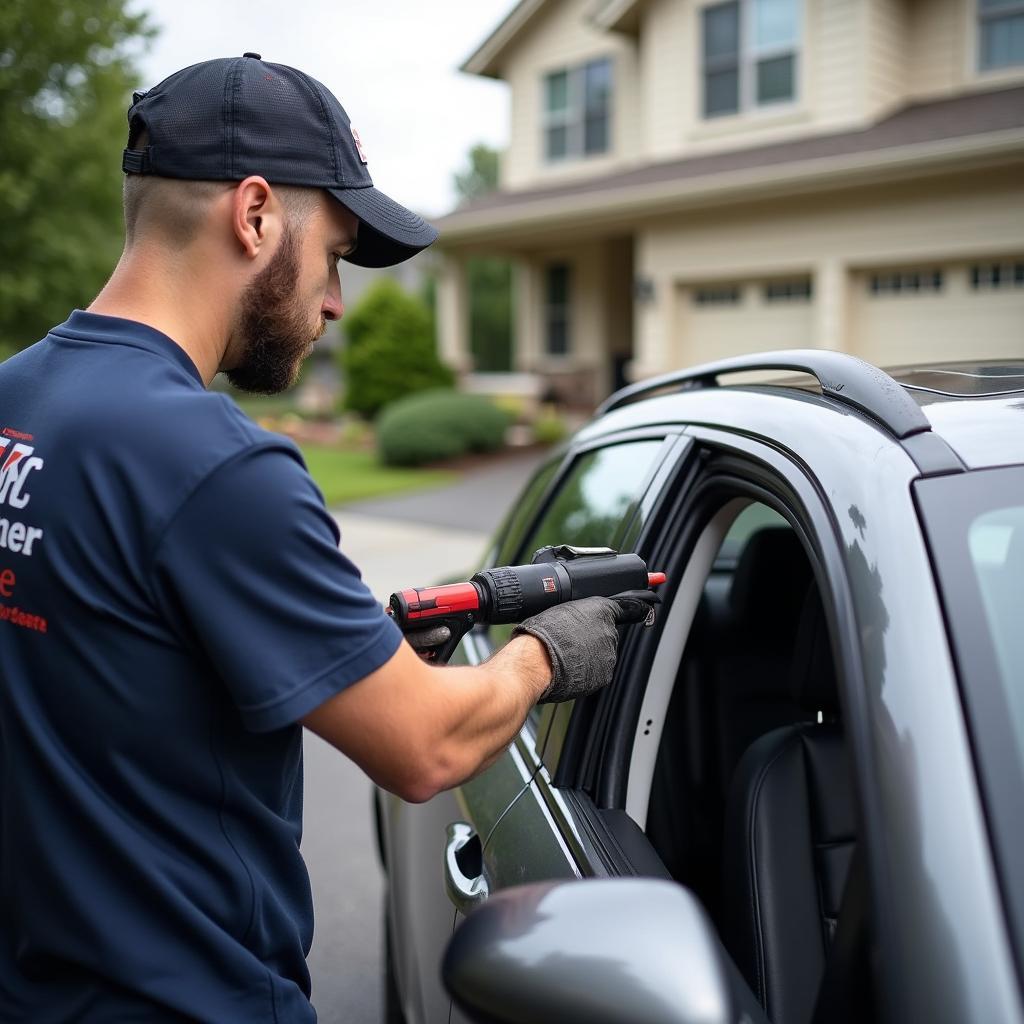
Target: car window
point(591, 508)
point(975, 525)
point(518, 520)
point(596, 498)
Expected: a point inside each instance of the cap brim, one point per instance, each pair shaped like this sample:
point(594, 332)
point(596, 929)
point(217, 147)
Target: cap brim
point(388, 232)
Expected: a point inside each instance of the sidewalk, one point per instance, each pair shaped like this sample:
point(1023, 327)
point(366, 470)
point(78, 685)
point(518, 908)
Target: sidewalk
point(478, 502)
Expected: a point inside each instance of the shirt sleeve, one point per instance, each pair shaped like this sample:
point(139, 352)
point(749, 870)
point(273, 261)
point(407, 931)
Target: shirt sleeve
point(250, 573)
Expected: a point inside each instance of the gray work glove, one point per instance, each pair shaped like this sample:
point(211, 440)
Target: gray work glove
point(421, 640)
point(582, 637)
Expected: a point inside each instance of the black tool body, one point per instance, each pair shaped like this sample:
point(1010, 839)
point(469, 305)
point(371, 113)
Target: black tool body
point(513, 593)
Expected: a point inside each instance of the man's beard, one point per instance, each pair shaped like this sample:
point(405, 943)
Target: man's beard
point(272, 325)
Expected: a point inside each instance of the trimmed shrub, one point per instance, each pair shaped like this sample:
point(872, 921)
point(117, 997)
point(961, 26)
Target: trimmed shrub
point(390, 351)
point(549, 428)
point(438, 425)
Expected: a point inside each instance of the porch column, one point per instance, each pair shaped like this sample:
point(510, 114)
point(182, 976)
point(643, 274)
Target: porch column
point(831, 305)
point(527, 316)
point(453, 314)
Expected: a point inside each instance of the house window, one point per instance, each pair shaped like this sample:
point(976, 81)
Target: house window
point(1000, 33)
point(750, 54)
point(577, 111)
point(556, 311)
point(717, 295)
point(997, 275)
point(905, 282)
point(798, 290)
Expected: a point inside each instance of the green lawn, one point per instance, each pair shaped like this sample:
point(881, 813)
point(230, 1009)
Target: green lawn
point(346, 476)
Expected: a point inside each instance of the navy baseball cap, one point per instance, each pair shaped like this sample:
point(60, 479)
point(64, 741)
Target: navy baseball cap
point(225, 119)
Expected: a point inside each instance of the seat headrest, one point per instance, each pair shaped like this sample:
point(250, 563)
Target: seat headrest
point(769, 585)
point(813, 675)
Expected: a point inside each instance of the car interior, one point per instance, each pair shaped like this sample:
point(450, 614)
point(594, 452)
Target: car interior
point(751, 801)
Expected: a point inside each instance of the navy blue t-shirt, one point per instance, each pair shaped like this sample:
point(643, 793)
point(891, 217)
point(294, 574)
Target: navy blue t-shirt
point(172, 601)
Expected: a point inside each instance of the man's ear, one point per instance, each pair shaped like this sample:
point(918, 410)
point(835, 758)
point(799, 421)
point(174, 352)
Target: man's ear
point(256, 216)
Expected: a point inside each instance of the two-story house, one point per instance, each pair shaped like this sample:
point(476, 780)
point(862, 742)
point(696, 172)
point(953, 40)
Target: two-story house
point(687, 179)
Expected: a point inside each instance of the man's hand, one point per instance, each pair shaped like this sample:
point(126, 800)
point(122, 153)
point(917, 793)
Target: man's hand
point(581, 638)
point(423, 641)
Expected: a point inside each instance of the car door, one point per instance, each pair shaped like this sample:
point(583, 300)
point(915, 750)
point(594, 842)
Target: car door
point(604, 498)
point(593, 495)
point(585, 810)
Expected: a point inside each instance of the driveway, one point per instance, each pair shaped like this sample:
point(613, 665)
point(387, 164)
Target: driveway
point(409, 541)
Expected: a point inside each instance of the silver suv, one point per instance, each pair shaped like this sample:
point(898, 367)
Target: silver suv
point(802, 798)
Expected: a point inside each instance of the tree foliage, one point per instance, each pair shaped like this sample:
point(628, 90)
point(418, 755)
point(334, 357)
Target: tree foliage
point(489, 279)
point(480, 175)
point(390, 351)
point(67, 70)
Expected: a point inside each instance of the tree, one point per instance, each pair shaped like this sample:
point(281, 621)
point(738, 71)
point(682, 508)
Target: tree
point(489, 279)
point(67, 70)
point(390, 351)
point(480, 177)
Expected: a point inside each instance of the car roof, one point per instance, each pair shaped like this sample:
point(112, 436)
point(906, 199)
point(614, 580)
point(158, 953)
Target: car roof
point(973, 411)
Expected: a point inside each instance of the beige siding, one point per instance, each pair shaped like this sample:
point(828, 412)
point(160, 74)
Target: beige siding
point(833, 77)
point(859, 60)
point(942, 221)
point(559, 38)
point(937, 46)
point(898, 222)
point(886, 55)
point(667, 65)
point(942, 50)
point(835, 62)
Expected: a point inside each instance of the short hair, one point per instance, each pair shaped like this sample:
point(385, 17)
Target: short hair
point(175, 208)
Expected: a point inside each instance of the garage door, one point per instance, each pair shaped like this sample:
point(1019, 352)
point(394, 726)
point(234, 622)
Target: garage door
point(942, 312)
point(732, 318)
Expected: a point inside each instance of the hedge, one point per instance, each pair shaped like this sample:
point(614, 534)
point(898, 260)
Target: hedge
point(439, 424)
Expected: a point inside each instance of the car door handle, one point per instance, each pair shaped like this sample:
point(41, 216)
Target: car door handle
point(464, 867)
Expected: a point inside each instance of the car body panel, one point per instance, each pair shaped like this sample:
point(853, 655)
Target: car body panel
point(937, 902)
point(988, 432)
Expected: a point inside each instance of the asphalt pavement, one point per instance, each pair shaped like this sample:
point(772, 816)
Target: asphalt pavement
point(413, 540)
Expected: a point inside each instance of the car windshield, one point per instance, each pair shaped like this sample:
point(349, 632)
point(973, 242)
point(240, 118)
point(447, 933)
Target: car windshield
point(995, 540)
point(975, 526)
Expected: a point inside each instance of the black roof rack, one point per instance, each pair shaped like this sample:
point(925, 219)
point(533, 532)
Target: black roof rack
point(842, 377)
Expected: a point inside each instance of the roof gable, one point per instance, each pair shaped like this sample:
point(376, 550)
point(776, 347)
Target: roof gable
point(486, 59)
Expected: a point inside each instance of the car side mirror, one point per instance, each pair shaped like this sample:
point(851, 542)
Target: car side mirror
point(599, 951)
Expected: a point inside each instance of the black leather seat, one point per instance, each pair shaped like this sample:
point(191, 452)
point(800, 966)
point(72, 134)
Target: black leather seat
point(733, 686)
point(789, 837)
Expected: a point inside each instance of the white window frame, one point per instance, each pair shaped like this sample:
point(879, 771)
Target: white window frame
point(574, 115)
point(749, 56)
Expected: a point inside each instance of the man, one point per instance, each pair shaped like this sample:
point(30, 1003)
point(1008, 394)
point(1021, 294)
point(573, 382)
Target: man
point(173, 603)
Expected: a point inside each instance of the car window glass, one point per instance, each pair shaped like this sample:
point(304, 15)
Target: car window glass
point(595, 500)
point(996, 544)
point(511, 533)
